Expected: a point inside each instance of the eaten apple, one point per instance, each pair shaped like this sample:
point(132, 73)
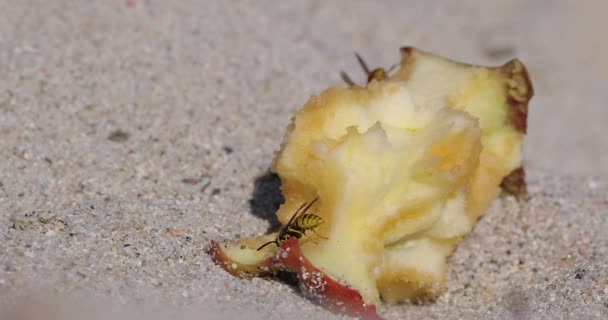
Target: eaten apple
point(402, 168)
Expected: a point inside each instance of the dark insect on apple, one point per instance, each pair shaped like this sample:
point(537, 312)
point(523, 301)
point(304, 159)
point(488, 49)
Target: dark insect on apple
point(297, 226)
point(377, 74)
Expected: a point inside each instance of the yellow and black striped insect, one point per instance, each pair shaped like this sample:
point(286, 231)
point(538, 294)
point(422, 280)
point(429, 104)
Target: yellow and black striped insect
point(297, 226)
point(377, 74)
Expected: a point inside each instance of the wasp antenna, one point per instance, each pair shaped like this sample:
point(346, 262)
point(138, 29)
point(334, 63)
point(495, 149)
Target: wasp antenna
point(347, 79)
point(362, 63)
point(301, 207)
point(296, 214)
point(265, 244)
point(310, 204)
point(392, 68)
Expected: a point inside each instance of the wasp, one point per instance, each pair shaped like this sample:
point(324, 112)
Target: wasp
point(377, 74)
point(298, 224)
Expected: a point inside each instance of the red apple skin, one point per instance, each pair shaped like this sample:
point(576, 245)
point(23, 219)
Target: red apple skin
point(313, 282)
point(219, 257)
point(515, 184)
point(520, 93)
point(319, 287)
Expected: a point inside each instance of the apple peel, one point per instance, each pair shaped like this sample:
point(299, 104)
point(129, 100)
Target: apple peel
point(221, 258)
point(321, 288)
point(313, 282)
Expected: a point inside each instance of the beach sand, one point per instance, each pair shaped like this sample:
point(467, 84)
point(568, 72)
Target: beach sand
point(132, 133)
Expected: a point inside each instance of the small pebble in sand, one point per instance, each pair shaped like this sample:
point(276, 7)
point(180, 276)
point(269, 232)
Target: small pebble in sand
point(118, 136)
point(191, 181)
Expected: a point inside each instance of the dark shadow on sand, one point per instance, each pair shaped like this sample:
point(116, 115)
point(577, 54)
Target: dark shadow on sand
point(267, 198)
point(265, 201)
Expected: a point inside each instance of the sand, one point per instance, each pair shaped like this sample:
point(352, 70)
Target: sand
point(132, 133)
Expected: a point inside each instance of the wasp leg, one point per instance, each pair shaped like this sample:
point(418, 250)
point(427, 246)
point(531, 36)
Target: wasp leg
point(318, 235)
point(311, 239)
point(295, 233)
point(265, 244)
